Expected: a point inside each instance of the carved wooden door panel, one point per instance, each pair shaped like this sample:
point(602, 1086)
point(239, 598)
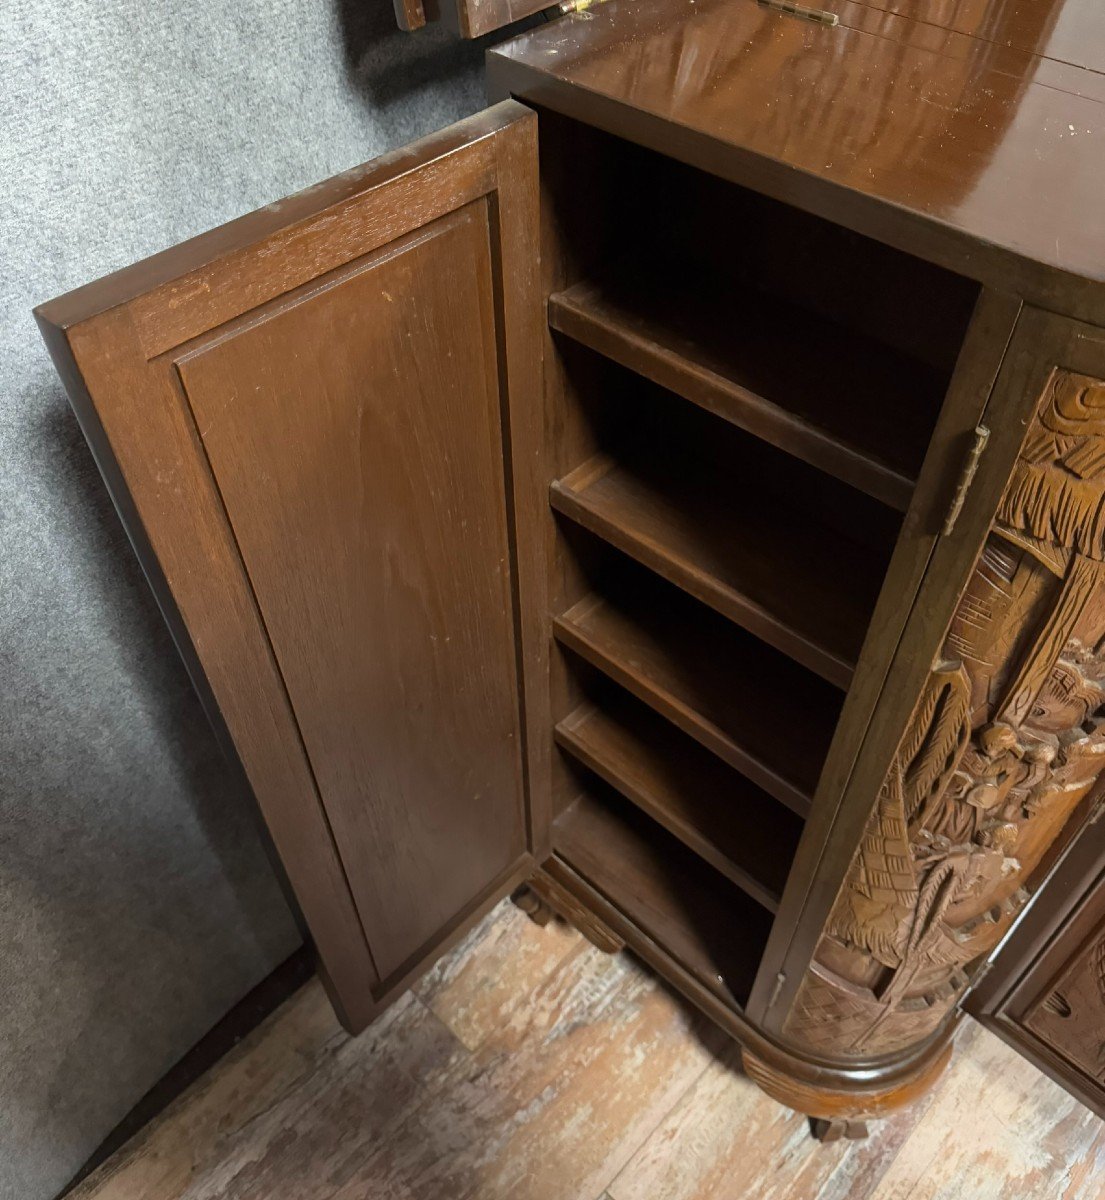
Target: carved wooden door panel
point(1007, 736)
point(306, 419)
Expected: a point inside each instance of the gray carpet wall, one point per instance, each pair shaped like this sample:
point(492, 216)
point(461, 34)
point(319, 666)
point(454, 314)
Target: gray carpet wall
point(136, 903)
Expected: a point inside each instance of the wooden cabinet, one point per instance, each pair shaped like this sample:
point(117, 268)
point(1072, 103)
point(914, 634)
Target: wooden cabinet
point(692, 517)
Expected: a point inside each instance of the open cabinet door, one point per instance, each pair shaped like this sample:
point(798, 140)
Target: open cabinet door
point(306, 419)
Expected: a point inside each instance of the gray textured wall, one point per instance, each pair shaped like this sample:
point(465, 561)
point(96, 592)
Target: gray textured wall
point(136, 904)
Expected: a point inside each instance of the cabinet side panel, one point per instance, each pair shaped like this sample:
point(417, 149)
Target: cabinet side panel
point(354, 434)
point(475, 18)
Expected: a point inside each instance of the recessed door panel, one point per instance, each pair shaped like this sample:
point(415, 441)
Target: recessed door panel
point(353, 430)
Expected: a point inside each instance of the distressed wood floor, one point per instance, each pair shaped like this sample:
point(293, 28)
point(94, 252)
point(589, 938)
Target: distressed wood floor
point(529, 1066)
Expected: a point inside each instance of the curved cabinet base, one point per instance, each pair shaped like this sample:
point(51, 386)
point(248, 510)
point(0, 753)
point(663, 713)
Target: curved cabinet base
point(840, 1100)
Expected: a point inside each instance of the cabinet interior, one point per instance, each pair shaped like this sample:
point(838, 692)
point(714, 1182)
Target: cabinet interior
point(739, 397)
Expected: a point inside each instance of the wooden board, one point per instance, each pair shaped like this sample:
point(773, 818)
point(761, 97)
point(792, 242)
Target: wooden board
point(700, 919)
point(529, 1065)
point(884, 123)
point(717, 683)
point(837, 399)
point(305, 418)
point(734, 826)
point(466, 18)
point(792, 582)
point(1044, 989)
point(353, 431)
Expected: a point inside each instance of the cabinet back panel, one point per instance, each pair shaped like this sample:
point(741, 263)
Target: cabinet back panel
point(364, 484)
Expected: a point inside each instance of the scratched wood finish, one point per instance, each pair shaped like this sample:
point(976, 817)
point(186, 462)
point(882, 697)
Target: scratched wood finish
point(1046, 1144)
point(722, 1141)
point(475, 988)
point(474, 1092)
point(996, 1129)
point(300, 417)
point(301, 1110)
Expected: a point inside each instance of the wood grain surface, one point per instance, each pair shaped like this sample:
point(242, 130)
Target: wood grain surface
point(303, 418)
point(737, 355)
point(354, 434)
point(526, 1065)
point(682, 659)
point(707, 534)
point(735, 827)
point(886, 122)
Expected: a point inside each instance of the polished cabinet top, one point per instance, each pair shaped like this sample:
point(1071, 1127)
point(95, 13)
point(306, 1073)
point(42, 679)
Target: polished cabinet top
point(1070, 31)
point(982, 125)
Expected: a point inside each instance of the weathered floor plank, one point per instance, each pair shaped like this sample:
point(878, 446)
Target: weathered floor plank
point(555, 1100)
point(476, 986)
point(728, 1139)
point(196, 1130)
point(529, 1065)
point(998, 1128)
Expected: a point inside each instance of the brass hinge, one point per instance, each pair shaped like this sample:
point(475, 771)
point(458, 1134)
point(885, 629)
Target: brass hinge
point(966, 477)
point(818, 15)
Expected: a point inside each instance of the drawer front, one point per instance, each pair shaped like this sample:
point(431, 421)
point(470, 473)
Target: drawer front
point(1068, 1013)
point(1044, 991)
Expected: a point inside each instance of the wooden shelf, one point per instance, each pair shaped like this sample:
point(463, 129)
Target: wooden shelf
point(715, 682)
point(775, 570)
point(851, 406)
point(719, 814)
point(709, 927)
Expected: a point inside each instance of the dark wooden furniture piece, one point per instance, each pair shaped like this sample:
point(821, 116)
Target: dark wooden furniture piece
point(1044, 992)
point(680, 493)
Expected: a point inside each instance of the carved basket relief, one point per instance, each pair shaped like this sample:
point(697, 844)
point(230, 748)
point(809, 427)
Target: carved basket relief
point(1006, 739)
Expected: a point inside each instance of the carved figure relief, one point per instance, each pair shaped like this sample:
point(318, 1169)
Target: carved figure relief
point(1006, 739)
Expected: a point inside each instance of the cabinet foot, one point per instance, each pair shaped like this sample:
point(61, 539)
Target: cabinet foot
point(827, 1129)
point(532, 905)
point(542, 897)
